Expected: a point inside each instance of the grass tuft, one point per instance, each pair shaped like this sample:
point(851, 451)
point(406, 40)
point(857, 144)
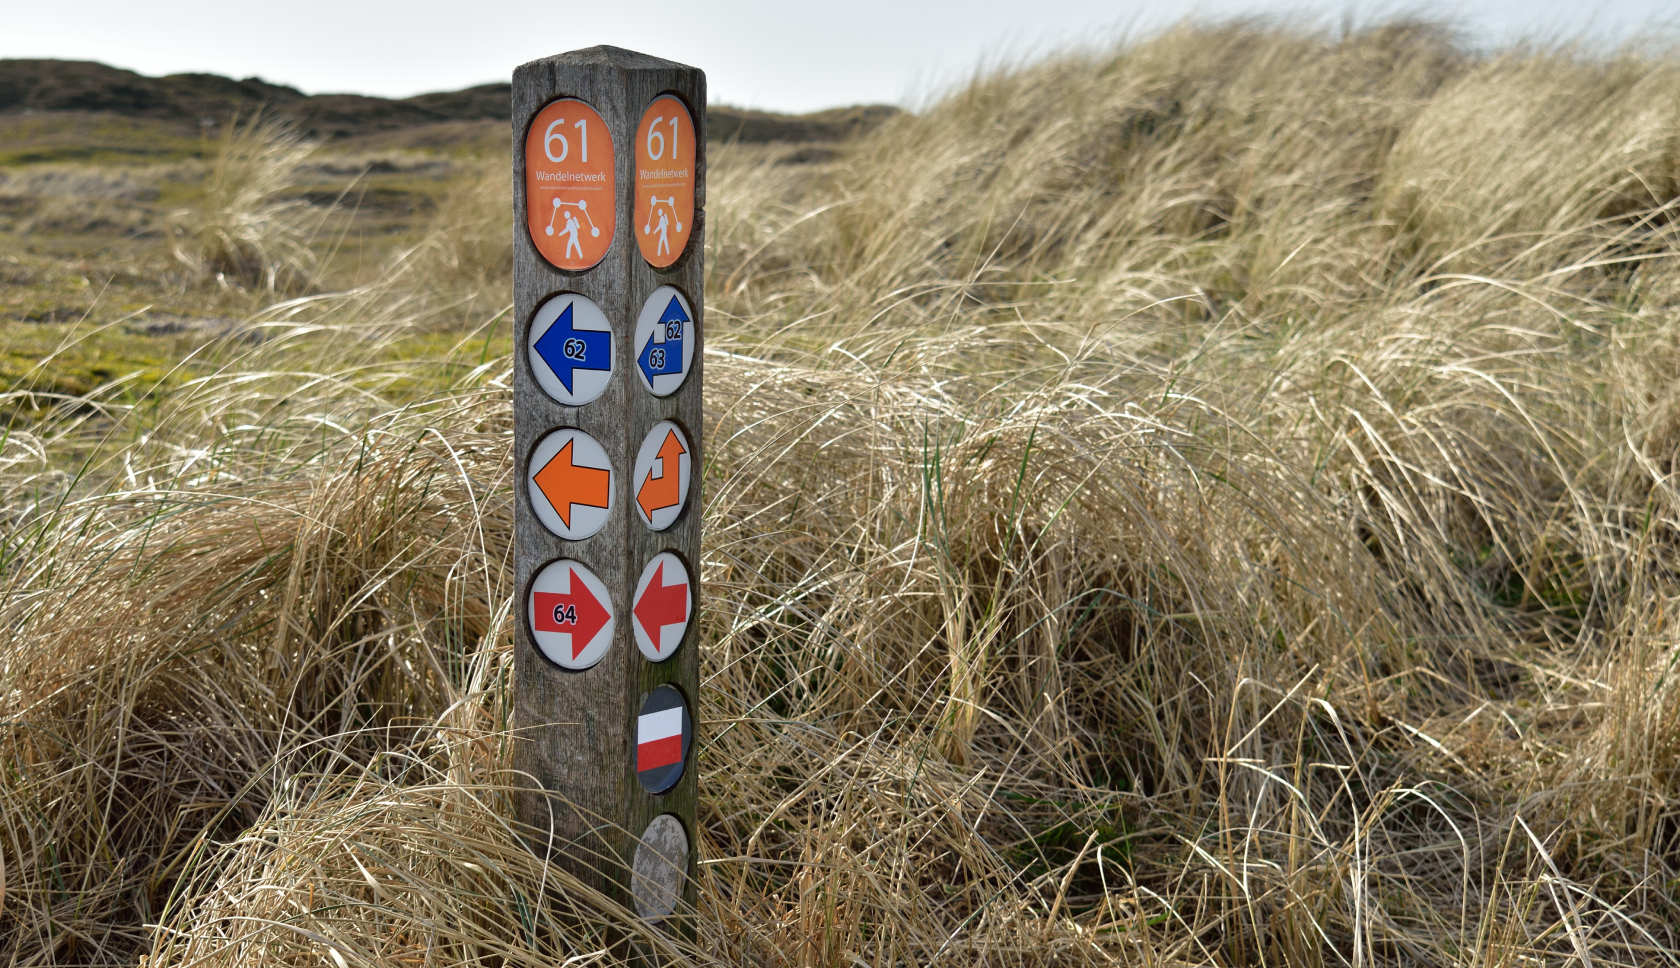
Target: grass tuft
point(243, 230)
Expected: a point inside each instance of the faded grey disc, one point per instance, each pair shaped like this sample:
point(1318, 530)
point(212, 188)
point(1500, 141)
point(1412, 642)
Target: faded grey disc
point(661, 861)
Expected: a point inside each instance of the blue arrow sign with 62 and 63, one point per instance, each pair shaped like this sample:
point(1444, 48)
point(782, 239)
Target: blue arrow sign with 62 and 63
point(664, 341)
point(570, 346)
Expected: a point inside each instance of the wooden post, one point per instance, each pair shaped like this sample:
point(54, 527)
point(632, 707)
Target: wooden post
point(609, 196)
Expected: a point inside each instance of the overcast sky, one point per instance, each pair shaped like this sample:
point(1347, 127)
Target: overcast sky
point(775, 56)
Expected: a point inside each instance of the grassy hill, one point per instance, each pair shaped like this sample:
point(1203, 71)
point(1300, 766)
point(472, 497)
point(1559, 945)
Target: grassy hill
point(1209, 501)
point(64, 110)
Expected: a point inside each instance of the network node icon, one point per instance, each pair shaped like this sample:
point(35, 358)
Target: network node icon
point(572, 224)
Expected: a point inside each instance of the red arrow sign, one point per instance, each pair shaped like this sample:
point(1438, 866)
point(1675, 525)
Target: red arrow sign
point(661, 605)
point(577, 613)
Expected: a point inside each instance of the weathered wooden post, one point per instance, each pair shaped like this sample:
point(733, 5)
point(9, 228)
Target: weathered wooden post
point(609, 197)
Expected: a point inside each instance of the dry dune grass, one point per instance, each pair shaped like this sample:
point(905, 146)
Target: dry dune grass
point(241, 230)
point(1210, 502)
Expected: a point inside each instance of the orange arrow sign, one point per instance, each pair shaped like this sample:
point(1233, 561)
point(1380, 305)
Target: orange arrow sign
point(665, 490)
point(565, 484)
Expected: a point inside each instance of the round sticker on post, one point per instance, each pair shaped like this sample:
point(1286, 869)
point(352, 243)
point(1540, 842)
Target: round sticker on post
point(664, 341)
point(662, 475)
point(664, 181)
point(663, 734)
point(571, 483)
point(657, 875)
point(663, 603)
point(569, 184)
point(570, 614)
point(570, 347)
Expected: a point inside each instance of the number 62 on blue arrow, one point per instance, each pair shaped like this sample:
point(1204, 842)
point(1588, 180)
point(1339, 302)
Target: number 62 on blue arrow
point(571, 349)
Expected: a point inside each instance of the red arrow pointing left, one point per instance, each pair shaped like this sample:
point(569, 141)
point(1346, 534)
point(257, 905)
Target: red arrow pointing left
point(576, 613)
point(661, 605)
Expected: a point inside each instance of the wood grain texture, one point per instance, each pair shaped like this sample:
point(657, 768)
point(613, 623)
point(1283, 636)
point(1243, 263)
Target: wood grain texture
point(576, 730)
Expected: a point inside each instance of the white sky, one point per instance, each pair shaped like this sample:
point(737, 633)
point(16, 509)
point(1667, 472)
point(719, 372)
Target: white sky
point(775, 56)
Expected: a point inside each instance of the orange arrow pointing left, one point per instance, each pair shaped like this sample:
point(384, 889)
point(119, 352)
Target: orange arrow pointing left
point(565, 484)
point(657, 493)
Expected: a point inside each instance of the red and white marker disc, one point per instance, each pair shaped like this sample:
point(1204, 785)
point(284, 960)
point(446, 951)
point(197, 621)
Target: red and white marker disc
point(664, 732)
point(662, 607)
point(570, 614)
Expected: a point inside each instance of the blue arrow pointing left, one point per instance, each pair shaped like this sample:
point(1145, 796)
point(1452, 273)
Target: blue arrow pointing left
point(565, 349)
point(664, 358)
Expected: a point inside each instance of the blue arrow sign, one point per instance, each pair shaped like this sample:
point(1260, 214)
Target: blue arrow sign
point(565, 349)
point(662, 358)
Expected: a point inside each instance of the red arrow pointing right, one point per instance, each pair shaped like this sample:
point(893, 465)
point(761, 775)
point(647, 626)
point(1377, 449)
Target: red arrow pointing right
point(661, 605)
point(577, 613)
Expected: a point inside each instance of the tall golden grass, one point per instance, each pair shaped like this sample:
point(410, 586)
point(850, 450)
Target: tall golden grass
point(243, 230)
point(1206, 502)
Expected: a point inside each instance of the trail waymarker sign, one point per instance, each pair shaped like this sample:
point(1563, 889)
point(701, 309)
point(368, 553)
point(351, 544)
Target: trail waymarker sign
point(664, 733)
point(663, 475)
point(664, 351)
point(609, 200)
point(571, 615)
point(571, 349)
point(663, 604)
point(571, 197)
point(665, 149)
point(571, 484)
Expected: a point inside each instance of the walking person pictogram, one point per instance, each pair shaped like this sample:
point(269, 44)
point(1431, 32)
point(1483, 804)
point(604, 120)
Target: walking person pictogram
point(570, 232)
point(571, 229)
point(666, 209)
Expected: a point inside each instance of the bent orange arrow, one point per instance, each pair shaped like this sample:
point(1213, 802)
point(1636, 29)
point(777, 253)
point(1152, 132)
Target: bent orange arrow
point(565, 484)
point(658, 493)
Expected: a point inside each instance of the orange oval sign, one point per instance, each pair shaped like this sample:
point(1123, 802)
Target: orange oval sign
point(664, 180)
point(569, 184)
